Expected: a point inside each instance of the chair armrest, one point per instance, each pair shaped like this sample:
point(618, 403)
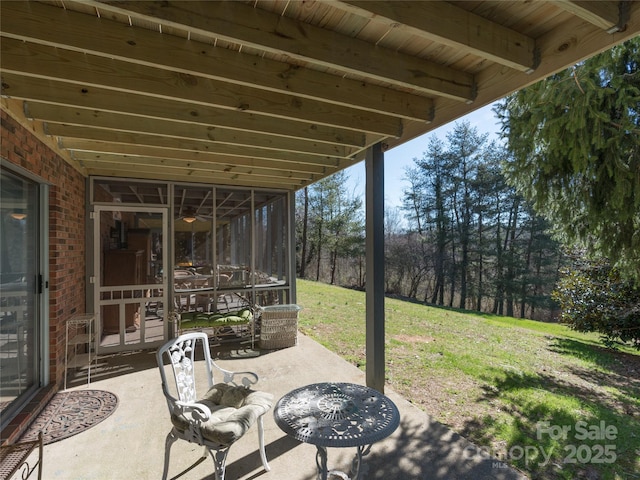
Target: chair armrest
point(247, 378)
point(199, 411)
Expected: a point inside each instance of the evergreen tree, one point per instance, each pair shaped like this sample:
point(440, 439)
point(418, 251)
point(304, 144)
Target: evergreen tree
point(428, 212)
point(333, 226)
point(464, 156)
point(304, 253)
point(478, 238)
point(575, 139)
point(490, 190)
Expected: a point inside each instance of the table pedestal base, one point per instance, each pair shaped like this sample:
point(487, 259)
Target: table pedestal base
point(356, 465)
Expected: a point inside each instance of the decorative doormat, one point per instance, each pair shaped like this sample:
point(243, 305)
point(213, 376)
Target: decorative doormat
point(70, 413)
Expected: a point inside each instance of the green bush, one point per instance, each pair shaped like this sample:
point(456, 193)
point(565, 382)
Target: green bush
point(594, 298)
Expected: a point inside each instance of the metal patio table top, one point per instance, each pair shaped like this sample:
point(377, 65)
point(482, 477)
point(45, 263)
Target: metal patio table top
point(337, 415)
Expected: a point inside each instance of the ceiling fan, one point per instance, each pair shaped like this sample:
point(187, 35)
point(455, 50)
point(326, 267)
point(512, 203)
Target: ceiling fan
point(191, 215)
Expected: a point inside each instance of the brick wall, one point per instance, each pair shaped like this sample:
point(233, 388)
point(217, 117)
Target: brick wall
point(67, 272)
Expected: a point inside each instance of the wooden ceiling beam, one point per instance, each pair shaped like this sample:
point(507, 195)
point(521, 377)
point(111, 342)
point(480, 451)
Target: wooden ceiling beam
point(141, 148)
point(63, 93)
point(195, 176)
point(610, 16)
point(50, 25)
point(240, 23)
point(450, 25)
point(560, 49)
point(215, 179)
point(89, 158)
point(97, 121)
point(47, 62)
point(188, 126)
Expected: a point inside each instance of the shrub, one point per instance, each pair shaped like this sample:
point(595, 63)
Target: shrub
point(594, 298)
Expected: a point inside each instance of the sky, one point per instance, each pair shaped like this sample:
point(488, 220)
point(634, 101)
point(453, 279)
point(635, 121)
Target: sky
point(399, 158)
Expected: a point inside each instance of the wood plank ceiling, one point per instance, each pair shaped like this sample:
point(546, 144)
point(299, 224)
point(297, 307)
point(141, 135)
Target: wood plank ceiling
point(274, 93)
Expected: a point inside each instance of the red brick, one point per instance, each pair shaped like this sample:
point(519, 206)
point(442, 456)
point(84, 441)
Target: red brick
point(66, 216)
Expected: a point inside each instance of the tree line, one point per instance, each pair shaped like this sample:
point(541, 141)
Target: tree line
point(484, 225)
point(463, 237)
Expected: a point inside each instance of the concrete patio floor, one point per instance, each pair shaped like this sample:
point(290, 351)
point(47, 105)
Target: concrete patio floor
point(129, 444)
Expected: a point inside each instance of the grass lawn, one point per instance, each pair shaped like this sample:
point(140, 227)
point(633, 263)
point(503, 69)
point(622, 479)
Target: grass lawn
point(550, 401)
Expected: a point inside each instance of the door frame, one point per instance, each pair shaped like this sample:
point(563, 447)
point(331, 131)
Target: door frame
point(163, 288)
point(36, 289)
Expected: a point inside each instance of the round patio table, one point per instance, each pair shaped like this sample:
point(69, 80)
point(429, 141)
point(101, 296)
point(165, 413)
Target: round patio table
point(337, 415)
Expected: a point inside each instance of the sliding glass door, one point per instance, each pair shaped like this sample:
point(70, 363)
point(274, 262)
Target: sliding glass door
point(21, 289)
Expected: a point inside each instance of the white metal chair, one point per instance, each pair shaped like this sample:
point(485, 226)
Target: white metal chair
point(216, 419)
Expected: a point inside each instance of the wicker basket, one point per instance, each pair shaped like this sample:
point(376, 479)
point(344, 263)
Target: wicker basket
point(279, 326)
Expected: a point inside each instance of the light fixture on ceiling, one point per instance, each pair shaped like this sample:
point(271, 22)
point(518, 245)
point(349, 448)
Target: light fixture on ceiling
point(189, 219)
point(18, 215)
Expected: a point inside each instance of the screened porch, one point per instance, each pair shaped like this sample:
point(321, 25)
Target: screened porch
point(167, 253)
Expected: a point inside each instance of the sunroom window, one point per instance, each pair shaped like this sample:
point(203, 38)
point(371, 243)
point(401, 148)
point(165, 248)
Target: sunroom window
point(230, 248)
point(226, 248)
